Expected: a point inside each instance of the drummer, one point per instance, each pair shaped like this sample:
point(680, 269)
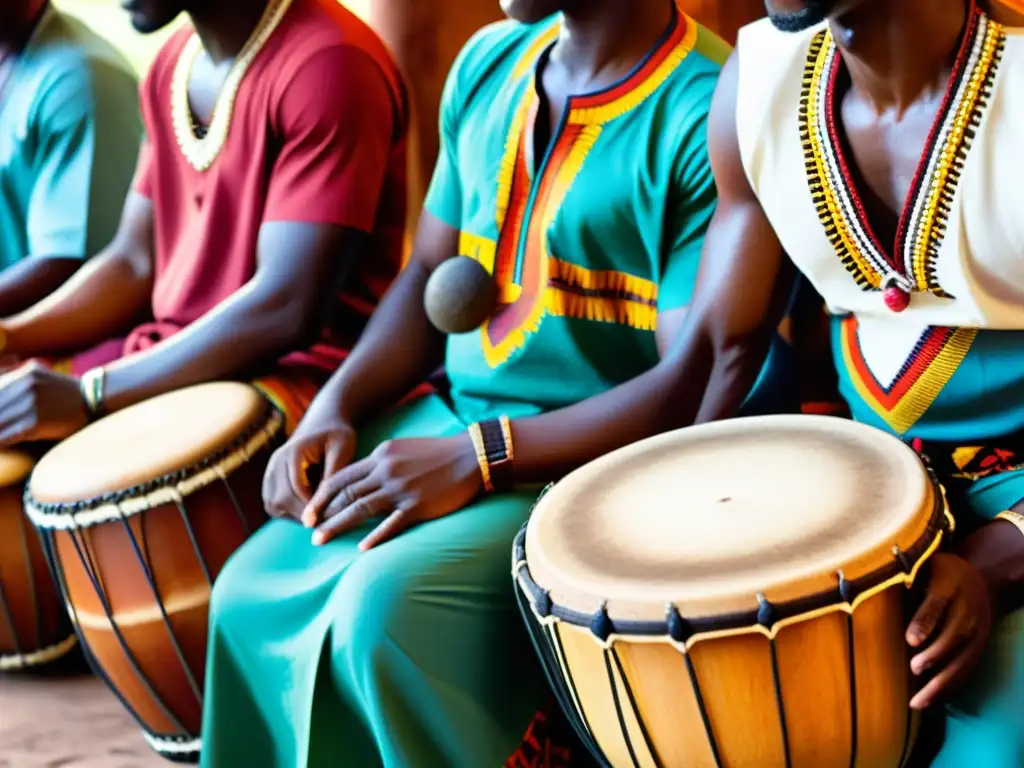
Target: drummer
point(277, 171)
point(69, 134)
point(827, 118)
point(384, 628)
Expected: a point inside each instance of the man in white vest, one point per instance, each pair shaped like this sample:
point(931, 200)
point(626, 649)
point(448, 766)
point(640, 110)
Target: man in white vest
point(877, 146)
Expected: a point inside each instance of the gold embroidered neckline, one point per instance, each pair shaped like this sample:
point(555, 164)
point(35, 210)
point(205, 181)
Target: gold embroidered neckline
point(911, 263)
point(201, 152)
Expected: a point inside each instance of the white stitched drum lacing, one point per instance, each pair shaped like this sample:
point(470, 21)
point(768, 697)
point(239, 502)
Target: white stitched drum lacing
point(169, 494)
point(42, 656)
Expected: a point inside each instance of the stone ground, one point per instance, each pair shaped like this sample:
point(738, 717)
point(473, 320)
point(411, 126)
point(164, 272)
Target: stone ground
point(63, 717)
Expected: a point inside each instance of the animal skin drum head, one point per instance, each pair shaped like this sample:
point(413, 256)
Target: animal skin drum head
point(708, 518)
point(150, 440)
point(14, 467)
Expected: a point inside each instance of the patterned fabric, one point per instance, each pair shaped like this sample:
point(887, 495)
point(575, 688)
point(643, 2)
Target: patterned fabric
point(546, 743)
point(946, 373)
point(911, 264)
point(584, 266)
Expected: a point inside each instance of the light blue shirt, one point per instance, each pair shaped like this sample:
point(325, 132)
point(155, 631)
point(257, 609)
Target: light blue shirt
point(69, 138)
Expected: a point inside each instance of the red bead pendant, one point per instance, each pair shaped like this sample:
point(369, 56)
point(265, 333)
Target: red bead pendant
point(896, 298)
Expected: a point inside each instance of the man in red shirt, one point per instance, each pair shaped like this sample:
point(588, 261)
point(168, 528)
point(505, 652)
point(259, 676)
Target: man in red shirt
point(274, 169)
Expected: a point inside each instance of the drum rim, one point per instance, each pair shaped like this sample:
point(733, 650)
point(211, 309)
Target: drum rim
point(17, 661)
point(174, 748)
point(767, 619)
point(161, 490)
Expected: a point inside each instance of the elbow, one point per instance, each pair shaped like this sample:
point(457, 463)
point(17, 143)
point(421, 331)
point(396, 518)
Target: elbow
point(285, 320)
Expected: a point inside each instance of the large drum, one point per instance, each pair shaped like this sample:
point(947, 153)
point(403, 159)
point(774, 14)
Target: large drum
point(735, 594)
point(138, 513)
point(34, 627)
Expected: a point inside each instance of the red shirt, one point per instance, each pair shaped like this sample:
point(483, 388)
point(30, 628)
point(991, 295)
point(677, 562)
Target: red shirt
point(318, 135)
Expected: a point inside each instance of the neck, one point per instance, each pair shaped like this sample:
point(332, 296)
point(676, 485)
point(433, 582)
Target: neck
point(897, 51)
point(15, 33)
point(224, 26)
point(600, 36)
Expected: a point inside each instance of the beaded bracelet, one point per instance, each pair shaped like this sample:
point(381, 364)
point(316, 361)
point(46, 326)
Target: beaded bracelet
point(492, 441)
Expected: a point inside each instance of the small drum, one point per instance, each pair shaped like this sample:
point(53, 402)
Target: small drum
point(34, 627)
point(735, 594)
point(139, 512)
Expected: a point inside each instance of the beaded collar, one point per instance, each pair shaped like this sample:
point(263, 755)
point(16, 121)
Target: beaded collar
point(201, 150)
point(909, 264)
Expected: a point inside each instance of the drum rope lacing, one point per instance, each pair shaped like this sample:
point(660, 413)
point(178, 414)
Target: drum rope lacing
point(119, 507)
point(542, 615)
point(765, 619)
point(169, 489)
point(9, 662)
point(21, 658)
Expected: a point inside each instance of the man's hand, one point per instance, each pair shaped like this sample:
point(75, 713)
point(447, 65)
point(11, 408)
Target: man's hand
point(287, 485)
point(950, 629)
point(405, 482)
point(39, 404)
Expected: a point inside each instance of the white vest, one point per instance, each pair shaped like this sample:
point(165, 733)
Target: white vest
point(965, 253)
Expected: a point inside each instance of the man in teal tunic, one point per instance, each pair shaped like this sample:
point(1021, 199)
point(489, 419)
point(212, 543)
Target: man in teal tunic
point(69, 136)
point(384, 631)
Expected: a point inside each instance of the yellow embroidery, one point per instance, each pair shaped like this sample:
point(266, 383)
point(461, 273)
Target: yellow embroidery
point(962, 457)
point(636, 309)
point(534, 50)
point(480, 249)
point(602, 280)
point(824, 197)
point(906, 411)
point(942, 185)
point(496, 354)
point(636, 96)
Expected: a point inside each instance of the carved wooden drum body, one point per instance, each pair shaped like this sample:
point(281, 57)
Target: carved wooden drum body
point(139, 512)
point(34, 627)
point(735, 594)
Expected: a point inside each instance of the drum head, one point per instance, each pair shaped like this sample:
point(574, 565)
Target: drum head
point(709, 517)
point(147, 441)
point(14, 467)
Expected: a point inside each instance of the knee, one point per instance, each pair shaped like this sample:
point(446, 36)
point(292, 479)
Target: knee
point(369, 608)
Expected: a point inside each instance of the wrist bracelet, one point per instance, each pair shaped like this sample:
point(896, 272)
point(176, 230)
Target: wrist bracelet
point(92, 385)
point(1014, 518)
point(481, 456)
point(495, 453)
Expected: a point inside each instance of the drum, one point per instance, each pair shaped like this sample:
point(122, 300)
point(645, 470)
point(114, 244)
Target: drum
point(34, 627)
point(138, 513)
point(735, 594)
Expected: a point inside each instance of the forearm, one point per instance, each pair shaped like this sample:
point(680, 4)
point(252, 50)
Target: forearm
point(31, 280)
point(997, 550)
point(100, 301)
point(398, 350)
point(240, 334)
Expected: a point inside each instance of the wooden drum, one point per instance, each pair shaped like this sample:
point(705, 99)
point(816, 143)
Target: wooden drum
point(735, 594)
point(139, 512)
point(34, 627)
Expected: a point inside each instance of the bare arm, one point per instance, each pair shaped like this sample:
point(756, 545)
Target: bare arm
point(30, 280)
point(275, 312)
point(719, 342)
point(710, 355)
point(399, 347)
point(103, 298)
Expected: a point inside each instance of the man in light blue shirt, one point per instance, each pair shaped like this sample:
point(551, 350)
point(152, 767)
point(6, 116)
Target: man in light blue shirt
point(69, 138)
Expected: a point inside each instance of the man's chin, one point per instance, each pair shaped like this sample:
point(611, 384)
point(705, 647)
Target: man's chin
point(798, 16)
point(797, 21)
point(146, 25)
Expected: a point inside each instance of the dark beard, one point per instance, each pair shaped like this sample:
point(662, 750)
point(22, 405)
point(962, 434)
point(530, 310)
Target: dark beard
point(813, 13)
